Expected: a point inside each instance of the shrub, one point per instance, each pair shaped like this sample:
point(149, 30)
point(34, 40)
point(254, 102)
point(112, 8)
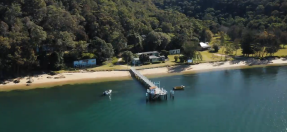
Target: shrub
point(176, 58)
point(165, 53)
point(114, 60)
point(182, 59)
point(215, 48)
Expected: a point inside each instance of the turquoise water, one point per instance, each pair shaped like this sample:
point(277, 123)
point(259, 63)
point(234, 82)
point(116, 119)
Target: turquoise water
point(247, 100)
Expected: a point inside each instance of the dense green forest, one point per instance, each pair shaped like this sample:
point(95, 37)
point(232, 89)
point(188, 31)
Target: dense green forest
point(51, 34)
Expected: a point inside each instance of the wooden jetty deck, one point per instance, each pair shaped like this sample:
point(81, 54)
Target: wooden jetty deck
point(153, 91)
point(143, 78)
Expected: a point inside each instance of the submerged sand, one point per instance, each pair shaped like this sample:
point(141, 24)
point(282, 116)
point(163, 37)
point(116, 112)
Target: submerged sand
point(46, 80)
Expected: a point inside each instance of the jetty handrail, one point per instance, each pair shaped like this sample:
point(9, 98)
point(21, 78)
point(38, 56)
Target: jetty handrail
point(143, 77)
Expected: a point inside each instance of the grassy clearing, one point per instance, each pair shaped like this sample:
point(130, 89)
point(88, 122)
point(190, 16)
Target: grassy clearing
point(281, 52)
point(216, 40)
point(110, 65)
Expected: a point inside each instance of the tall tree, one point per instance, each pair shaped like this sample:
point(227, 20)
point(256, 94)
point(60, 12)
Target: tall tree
point(247, 40)
point(127, 56)
point(157, 41)
point(189, 48)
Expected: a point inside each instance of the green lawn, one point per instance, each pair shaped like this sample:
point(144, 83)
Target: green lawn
point(281, 52)
point(215, 40)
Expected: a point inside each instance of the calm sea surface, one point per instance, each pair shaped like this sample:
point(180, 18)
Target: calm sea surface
point(247, 100)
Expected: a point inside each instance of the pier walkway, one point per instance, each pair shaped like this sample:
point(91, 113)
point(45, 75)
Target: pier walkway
point(143, 78)
point(153, 90)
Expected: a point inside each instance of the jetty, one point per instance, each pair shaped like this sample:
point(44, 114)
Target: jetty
point(154, 91)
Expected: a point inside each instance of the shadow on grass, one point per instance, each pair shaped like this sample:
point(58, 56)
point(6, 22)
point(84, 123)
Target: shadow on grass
point(250, 61)
point(179, 68)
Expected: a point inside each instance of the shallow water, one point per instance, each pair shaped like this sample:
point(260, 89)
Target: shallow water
point(246, 100)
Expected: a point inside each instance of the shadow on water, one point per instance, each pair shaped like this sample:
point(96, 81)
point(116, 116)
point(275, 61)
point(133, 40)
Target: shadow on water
point(272, 70)
point(248, 74)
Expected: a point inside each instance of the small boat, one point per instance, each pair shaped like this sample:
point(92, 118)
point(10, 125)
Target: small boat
point(178, 87)
point(108, 92)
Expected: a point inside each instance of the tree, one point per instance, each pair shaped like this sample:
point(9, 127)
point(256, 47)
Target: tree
point(81, 46)
point(207, 35)
point(88, 56)
point(222, 42)
point(234, 32)
point(127, 56)
point(4, 28)
point(65, 41)
point(12, 13)
point(267, 43)
point(236, 45)
point(165, 53)
point(167, 27)
point(215, 48)
point(102, 49)
point(144, 58)
point(190, 48)
point(107, 50)
point(157, 41)
point(260, 9)
point(283, 38)
point(56, 61)
point(35, 8)
point(135, 40)
point(197, 57)
point(246, 42)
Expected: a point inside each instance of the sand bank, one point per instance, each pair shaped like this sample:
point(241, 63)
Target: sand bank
point(45, 80)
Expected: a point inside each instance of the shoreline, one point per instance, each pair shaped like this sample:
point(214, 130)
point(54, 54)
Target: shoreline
point(47, 81)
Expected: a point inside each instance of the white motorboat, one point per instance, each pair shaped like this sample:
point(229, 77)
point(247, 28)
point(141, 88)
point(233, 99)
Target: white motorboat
point(108, 92)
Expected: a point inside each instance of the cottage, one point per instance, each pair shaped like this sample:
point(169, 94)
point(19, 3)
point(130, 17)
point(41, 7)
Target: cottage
point(85, 63)
point(174, 52)
point(151, 53)
point(154, 57)
point(204, 46)
point(136, 61)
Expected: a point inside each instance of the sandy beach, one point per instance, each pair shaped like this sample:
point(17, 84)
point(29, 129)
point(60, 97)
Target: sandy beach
point(46, 80)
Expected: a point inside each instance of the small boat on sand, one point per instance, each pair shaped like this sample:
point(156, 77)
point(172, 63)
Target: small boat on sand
point(179, 87)
point(108, 92)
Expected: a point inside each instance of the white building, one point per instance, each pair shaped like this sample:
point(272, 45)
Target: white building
point(174, 52)
point(204, 46)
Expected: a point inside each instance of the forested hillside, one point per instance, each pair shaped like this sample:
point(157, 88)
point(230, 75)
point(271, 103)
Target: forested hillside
point(253, 14)
point(258, 25)
point(49, 34)
point(43, 34)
